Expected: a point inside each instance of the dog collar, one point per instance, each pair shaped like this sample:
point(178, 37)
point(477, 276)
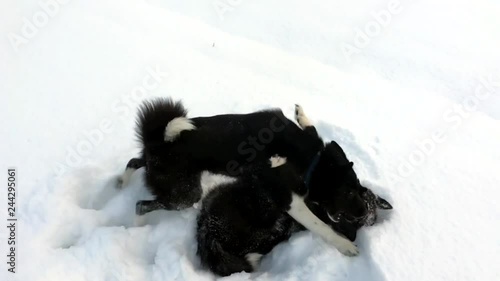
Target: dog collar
point(311, 168)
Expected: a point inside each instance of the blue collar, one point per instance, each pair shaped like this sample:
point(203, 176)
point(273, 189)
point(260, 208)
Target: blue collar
point(311, 168)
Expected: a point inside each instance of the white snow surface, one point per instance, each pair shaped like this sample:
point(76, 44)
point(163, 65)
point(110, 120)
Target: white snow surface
point(70, 89)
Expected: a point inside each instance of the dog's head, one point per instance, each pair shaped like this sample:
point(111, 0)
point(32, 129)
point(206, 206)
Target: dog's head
point(338, 197)
point(335, 186)
point(342, 207)
point(344, 224)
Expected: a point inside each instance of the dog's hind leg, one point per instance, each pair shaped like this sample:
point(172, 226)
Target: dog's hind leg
point(301, 117)
point(145, 206)
point(304, 122)
point(132, 165)
point(301, 213)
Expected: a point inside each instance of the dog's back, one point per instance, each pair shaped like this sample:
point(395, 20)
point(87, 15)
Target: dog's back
point(176, 149)
point(213, 142)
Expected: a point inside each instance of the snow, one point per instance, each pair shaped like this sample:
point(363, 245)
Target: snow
point(71, 82)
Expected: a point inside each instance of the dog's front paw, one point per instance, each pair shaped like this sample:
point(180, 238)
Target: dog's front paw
point(348, 248)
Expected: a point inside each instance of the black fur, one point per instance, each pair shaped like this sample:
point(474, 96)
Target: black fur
point(245, 217)
point(225, 144)
point(153, 117)
point(373, 202)
point(248, 216)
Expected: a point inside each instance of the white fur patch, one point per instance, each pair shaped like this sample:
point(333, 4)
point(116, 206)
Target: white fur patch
point(253, 259)
point(176, 126)
point(277, 161)
point(301, 213)
point(211, 181)
point(301, 117)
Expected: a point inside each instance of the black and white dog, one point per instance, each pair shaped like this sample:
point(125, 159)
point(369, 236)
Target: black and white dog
point(176, 150)
point(239, 222)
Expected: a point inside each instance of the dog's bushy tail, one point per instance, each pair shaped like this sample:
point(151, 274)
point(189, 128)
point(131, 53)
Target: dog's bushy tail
point(220, 262)
point(154, 116)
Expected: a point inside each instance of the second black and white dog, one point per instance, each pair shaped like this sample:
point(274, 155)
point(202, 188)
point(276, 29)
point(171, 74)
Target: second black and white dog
point(176, 150)
point(239, 222)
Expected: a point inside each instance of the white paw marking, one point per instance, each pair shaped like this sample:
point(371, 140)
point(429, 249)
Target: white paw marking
point(176, 126)
point(347, 248)
point(301, 117)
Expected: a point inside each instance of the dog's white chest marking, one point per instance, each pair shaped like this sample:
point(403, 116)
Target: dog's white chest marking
point(210, 181)
point(301, 213)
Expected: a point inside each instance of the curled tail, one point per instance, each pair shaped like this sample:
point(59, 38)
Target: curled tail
point(161, 120)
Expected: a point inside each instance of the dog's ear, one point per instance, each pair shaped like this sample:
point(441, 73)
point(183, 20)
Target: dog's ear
point(383, 204)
